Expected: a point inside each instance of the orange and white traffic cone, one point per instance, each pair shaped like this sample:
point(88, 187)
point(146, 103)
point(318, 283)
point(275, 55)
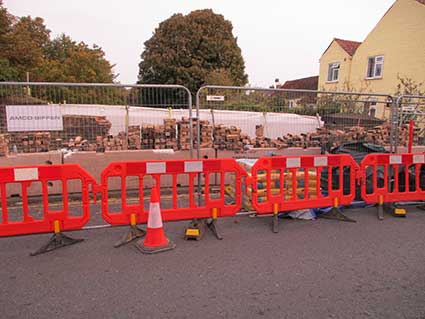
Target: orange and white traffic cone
point(155, 240)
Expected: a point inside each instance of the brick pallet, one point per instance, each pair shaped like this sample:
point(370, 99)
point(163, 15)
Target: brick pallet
point(184, 129)
point(79, 131)
point(160, 136)
point(228, 138)
point(30, 142)
point(134, 137)
point(90, 133)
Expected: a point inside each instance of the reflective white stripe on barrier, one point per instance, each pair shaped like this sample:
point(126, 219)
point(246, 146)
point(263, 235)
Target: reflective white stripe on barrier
point(418, 159)
point(154, 219)
point(191, 167)
point(155, 168)
point(320, 161)
point(395, 159)
point(25, 174)
point(293, 162)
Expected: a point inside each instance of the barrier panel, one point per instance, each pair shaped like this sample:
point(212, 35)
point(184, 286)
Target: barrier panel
point(389, 178)
point(46, 174)
point(200, 202)
point(280, 184)
point(47, 220)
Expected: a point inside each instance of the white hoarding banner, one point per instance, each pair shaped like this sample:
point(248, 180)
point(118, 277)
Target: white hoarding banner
point(22, 118)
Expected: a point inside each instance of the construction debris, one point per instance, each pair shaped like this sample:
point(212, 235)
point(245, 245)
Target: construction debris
point(91, 133)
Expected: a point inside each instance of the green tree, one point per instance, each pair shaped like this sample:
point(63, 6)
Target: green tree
point(26, 46)
point(25, 52)
point(7, 71)
point(5, 25)
point(193, 50)
point(69, 61)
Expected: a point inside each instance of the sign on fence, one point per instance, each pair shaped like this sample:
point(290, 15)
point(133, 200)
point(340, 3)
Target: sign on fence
point(21, 118)
point(215, 98)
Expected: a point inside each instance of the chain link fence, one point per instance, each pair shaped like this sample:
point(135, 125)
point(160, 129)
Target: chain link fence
point(242, 118)
point(40, 117)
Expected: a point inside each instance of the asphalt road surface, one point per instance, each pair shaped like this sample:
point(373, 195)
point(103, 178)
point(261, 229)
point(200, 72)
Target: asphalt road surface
point(310, 269)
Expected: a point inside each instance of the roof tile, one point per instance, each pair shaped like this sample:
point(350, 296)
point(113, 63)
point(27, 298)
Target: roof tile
point(349, 46)
point(310, 83)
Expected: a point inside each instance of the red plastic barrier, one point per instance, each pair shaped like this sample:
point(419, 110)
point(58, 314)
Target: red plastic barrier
point(192, 169)
point(286, 191)
point(392, 184)
point(50, 220)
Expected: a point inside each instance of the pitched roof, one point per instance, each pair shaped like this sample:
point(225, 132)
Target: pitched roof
point(349, 46)
point(310, 83)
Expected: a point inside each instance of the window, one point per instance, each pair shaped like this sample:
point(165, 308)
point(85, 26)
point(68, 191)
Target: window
point(291, 104)
point(375, 66)
point(333, 72)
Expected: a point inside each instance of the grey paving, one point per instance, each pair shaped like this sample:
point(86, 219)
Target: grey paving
point(316, 269)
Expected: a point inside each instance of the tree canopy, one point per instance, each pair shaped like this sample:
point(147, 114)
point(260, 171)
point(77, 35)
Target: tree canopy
point(193, 50)
point(26, 46)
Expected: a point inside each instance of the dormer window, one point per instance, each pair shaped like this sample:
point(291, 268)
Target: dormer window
point(333, 72)
point(375, 67)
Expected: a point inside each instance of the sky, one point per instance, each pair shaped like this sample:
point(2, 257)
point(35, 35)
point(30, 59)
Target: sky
point(279, 39)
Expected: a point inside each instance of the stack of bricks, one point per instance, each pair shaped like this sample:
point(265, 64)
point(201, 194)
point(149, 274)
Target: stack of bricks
point(228, 138)
point(30, 142)
point(134, 137)
point(111, 143)
point(4, 144)
point(148, 136)
point(160, 136)
point(207, 132)
point(184, 133)
point(89, 127)
point(79, 132)
point(260, 140)
point(170, 132)
point(220, 137)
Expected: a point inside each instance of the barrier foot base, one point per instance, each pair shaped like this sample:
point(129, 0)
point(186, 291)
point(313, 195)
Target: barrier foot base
point(396, 211)
point(380, 212)
point(213, 227)
point(195, 230)
point(58, 240)
point(133, 233)
point(421, 207)
point(275, 223)
point(335, 213)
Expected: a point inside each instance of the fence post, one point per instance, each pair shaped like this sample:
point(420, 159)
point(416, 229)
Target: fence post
point(127, 120)
point(394, 122)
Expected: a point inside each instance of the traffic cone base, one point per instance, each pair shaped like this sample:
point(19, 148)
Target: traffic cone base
point(155, 240)
point(153, 250)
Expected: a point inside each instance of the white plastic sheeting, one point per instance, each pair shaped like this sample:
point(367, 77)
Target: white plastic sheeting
point(275, 124)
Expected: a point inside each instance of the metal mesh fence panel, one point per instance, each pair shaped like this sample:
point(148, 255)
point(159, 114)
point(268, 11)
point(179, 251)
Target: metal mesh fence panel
point(242, 118)
point(410, 108)
point(39, 117)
